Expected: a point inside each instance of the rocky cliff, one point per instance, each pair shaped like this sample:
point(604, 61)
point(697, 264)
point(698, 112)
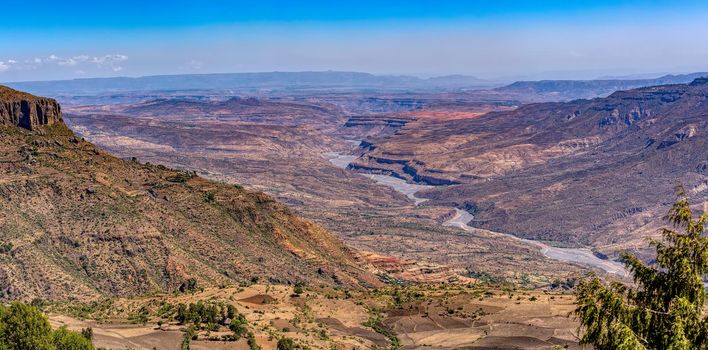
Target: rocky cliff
point(27, 111)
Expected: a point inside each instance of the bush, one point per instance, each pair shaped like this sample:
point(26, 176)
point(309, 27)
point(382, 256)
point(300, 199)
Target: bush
point(141, 317)
point(189, 285)
point(286, 344)
point(87, 333)
point(5, 247)
point(187, 339)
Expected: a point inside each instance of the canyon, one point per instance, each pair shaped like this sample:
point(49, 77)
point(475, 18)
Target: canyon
point(454, 214)
point(429, 155)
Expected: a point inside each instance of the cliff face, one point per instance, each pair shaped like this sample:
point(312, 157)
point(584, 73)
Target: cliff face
point(27, 111)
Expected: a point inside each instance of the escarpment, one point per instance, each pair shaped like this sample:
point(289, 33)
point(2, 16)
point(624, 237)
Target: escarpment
point(27, 111)
point(79, 223)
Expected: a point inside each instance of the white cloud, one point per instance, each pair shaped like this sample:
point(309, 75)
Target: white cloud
point(67, 62)
point(196, 64)
point(105, 61)
point(80, 63)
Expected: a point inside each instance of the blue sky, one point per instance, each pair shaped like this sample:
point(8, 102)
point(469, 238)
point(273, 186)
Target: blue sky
point(491, 39)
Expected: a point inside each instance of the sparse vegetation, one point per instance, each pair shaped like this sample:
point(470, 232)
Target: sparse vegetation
point(189, 285)
point(285, 344)
point(375, 322)
point(5, 248)
point(141, 316)
point(252, 344)
point(666, 308)
point(181, 177)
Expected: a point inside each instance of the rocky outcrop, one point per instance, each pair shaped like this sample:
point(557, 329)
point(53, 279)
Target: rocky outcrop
point(27, 111)
point(390, 121)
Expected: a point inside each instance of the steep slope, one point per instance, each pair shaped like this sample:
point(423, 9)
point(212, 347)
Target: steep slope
point(596, 172)
point(78, 223)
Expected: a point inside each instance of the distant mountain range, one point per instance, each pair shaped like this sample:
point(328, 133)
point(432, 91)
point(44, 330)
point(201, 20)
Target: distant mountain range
point(333, 81)
point(249, 81)
point(561, 90)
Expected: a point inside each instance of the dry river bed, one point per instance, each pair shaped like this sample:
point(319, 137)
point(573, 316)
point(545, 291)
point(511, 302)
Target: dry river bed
point(581, 256)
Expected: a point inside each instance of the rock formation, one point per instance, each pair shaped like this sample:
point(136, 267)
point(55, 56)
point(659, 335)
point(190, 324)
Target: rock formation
point(27, 111)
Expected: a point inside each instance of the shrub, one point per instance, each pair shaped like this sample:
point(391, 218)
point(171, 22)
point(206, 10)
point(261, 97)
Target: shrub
point(5, 248)
point(286, 344)
point(180, 177)
point(252, 345)
point(87, 333)
point(188, 286)
point(141, 317)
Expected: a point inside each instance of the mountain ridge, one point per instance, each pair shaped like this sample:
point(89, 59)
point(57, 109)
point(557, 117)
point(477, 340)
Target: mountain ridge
point(82, 224)
point(256, 80)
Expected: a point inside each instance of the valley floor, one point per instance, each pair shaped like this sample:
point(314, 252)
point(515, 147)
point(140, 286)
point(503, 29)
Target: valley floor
point(444, 316)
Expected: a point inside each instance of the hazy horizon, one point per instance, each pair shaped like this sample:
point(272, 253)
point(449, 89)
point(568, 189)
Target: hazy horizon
point(569, 75)
point(504, 41)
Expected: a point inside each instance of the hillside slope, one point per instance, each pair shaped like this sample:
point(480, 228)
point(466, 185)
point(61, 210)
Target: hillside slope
point(78, 223)
point(594, 172)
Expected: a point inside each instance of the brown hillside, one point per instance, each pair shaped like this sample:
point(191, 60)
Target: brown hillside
point(78, 223)
point(595, 172)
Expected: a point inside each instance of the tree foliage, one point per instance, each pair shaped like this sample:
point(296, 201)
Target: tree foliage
point(665, 307)
point(25, 327)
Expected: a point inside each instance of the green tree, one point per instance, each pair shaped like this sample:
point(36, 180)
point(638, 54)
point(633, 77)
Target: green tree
point(665, 308)
point(24, 327)
point(63, 339)
point(182, 316)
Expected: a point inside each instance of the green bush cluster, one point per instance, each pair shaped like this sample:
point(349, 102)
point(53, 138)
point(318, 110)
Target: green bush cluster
point(24, 327)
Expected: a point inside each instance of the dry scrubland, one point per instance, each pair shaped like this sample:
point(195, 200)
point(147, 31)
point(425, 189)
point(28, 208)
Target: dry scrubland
point(437, 316)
